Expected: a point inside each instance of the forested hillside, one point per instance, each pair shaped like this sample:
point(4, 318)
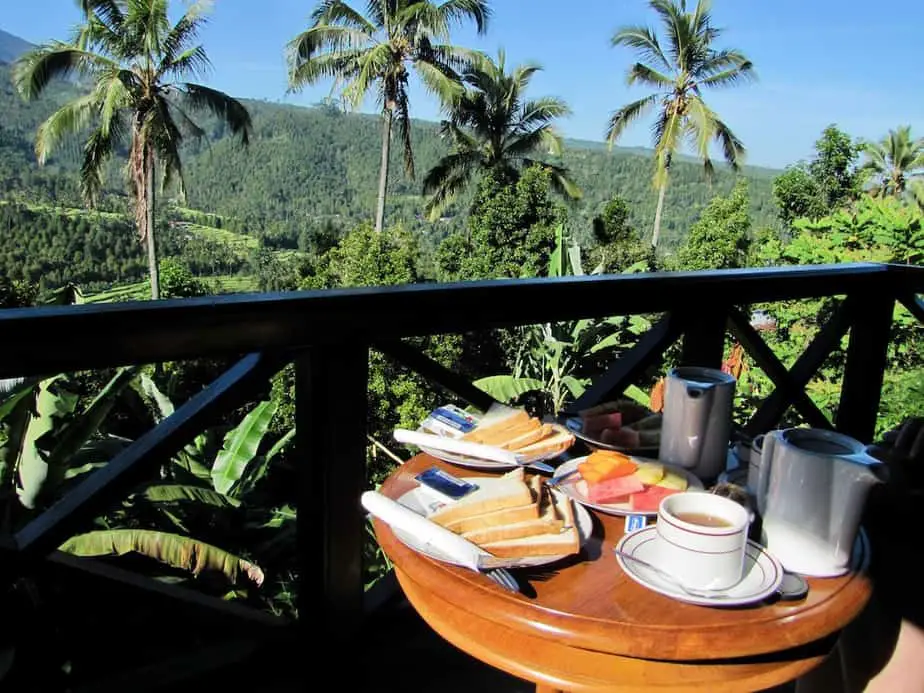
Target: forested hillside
point(308, 168)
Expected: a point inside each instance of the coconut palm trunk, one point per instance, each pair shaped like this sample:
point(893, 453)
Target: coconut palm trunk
point(656, 233)
point(148, 231)
point(383, 172)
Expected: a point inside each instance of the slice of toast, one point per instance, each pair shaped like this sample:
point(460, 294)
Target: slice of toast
point(504, 516)
point(563, 542)
point(493, 493)
point(548, 521)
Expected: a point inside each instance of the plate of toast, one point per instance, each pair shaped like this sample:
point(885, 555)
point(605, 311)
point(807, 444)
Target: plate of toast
point(517, 518)
point(617, 484)
point(621, 425)
point(510, 437)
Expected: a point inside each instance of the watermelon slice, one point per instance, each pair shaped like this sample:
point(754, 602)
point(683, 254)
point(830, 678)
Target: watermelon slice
point(595, 424)
point(616, 490)
point(647, 501)
point(623, 437)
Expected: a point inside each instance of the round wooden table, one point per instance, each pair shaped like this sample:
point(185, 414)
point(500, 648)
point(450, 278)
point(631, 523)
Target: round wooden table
point(583, 625)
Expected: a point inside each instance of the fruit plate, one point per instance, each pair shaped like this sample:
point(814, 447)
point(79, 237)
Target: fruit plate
point(576, 488)
point(575, 425)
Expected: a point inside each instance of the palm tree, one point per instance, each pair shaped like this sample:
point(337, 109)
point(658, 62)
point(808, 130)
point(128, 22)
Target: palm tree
point(494, 127)
point(135, 61)
point(377, 50)
point(679, 75)
point(893, 163)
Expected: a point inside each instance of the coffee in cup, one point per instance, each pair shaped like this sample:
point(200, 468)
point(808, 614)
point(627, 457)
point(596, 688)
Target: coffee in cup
point(701, 539)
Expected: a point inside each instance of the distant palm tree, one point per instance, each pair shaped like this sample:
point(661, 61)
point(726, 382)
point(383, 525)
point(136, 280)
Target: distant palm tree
point(376, 50)
point(894, 162)
point(689, 65)
point(494, 127)
point(133, 58)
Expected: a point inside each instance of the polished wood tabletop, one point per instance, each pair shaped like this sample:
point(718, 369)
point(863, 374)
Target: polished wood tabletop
point(581, 624)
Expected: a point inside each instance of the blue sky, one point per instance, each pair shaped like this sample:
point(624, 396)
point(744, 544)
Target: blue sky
point(818, 61)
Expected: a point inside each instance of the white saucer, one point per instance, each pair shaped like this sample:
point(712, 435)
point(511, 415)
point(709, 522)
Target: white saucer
point(762, 573)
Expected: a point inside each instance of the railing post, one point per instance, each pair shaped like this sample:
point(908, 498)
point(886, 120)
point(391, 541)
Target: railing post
point(703, 336)
point(865, 367)
point(331, 389)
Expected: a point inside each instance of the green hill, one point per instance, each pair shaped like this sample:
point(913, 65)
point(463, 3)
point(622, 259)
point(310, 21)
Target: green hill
point(310, 169)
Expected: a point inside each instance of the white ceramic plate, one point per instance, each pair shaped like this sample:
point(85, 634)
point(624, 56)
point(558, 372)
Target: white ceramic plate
point(576, 488)
point(419, 502)
point(576, 426)
point(478, 463)
point(763, 573)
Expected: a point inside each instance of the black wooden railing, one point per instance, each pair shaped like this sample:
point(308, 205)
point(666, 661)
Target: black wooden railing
point(328, 335)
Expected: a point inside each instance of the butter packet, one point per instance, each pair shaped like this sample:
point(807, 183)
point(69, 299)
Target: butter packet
point(450, 421)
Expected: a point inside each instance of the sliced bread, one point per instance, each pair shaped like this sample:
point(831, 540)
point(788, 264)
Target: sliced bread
point(562, 542)
point(494, 493)
point(504, 516)
point(547, 521)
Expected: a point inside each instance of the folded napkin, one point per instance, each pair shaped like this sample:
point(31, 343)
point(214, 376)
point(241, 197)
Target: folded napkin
point(461, 447)
point(424, 533)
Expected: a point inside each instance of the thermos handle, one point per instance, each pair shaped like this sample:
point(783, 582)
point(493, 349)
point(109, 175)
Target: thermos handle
point(763, 479)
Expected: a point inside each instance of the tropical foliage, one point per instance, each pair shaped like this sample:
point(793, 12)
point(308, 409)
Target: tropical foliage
point(137, 63)
point(375, 51)
point(894, 163)
point(679, 68)
point(494, 127)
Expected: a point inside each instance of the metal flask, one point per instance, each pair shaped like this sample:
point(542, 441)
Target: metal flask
point(697, 420)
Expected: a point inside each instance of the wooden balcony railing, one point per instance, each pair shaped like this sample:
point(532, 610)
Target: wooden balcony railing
point(328, 335)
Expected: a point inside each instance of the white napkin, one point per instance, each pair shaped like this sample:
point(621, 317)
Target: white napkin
point(461, 447)
point(424, 532)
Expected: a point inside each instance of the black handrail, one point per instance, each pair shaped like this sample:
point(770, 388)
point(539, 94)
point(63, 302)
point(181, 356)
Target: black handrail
point(146, 332)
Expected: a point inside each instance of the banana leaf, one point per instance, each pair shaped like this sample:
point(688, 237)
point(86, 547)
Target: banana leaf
point(37, 476)
point(175, 550)
point(240, 447)
point(507, 388)
point(257, 472)
point(164, 406)
point(178, 493)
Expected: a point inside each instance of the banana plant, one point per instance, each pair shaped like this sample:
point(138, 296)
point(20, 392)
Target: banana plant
point(45, 436)
point(555, 358)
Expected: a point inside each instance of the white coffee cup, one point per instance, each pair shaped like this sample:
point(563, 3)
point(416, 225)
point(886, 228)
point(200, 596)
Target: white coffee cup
point(701, 554)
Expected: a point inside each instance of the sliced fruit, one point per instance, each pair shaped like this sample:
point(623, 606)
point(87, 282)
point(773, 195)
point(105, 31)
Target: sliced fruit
point(595, 424)
point(649, 473)
point(649, 499)
point(623, 437)
point(674, 481)
point(589, 473)
point(616, 490)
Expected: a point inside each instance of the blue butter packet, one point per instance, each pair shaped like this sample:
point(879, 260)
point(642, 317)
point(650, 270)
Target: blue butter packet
point(635, 523)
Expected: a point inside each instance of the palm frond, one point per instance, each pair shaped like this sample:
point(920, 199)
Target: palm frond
point(644, 74)
point(538, 112)
point(626, 115)
point(645, 42)
point(403, 120)
point(446, 179)
point(114, 99)
point(184, 32)
point(107, 11)
point(439, 80)
point(459, 11)
point(544, 139)
point(193, 62)
point(732, 148)
point(729, 78)
point(35, 70)
point(337, 12)
point(701, 130)
point(167, 139)
point(309, 44)
point(373, 65)
point(225, 107)
point(666, 132)
point(70, 119)
point(96, 152)
point(342, 65)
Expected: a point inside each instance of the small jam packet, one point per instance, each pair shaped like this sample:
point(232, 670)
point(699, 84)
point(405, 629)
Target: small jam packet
point(450, 420)
point(635, 522)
